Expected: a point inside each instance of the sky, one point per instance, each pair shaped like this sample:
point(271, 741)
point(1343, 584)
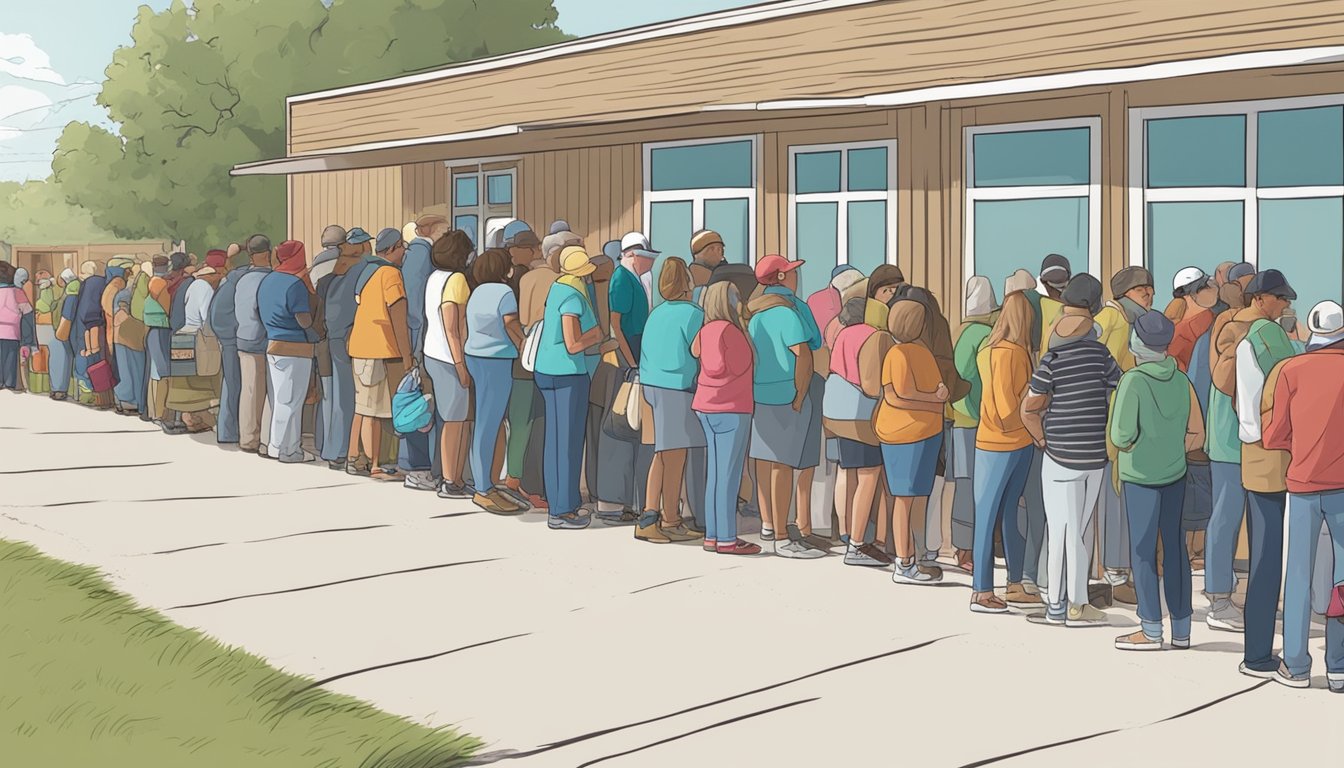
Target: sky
point(50, 69)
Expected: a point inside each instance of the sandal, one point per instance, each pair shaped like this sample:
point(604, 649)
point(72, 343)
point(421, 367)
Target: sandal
point(710, 545)
point(738, 547)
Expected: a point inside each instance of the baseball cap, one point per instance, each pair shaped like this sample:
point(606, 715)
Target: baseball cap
point(612, 250)
point(637, 242)
point(769, 268)
point(1326, 318)
point(1240, 270)
point(517, 234)
point(558, 226)
point(574, 260)
point(1083, 291)
point(1154, 329)
point(333, 235)
point(1055, 269)
point(1128, 279)
point(357, 236)
point(387, 240)
point(1272, 282)
point(1188, 280)
point(703, 239)
point(554, 242)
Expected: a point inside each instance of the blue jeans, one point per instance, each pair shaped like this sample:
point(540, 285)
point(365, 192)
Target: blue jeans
point(342, 397)
point(493, 379)
point(566, 401)
point(230, 388)
point(131, 372)
point(1306, 514)
point(62, 362)
point(726, 438)
point(1000, 477)
point(1198, 507)
point(1153, 511)
point(1264, 533)
point(9, 363)
point(1220, 544)
point(1031, 518)
point(418, 449)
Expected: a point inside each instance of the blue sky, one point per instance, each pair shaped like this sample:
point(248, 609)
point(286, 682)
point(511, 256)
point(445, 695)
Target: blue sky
point(50, 68)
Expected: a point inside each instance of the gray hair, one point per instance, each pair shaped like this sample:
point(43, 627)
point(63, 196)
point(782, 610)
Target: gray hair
point(258, 244)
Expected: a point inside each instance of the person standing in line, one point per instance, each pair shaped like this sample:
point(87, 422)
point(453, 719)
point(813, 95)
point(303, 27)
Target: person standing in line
point(62, 353)
point(192, 396)
point(337, 300)
point(494, 336)
point(847, 411)
point(883, 283)
point(253, 413)
point(380, 352)
point(1154, 423)
point(285, 306)
point(1263, 471)
point(91, 325)
point(224, 324)
point(723, 404)
point(568, 329)
point(14, 306)
point(1003, 453)
point(320, 274)
point(417, 458)
point(446, 295)
point(667, 374)
point(971, 337)
point(707, 255)
point(535, 276)
point(1065, 411)
point(1304, 418)
point(128, 343)
point(826, 303)
point(1190, 346)
point(43, 302)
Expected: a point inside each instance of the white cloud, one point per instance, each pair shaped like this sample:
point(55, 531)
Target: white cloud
point(21, 58)
point(20, 109)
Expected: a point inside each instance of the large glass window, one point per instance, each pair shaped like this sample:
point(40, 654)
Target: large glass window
point(689, 186)
point(482, 196)
point(843, 208)
point(1261, 182)
point(1033, 189)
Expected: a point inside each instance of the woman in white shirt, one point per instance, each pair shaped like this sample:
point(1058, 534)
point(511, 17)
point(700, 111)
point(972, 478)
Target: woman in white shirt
point(446, 296)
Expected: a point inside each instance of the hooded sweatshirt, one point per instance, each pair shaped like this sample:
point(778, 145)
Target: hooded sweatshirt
point(1149, 421)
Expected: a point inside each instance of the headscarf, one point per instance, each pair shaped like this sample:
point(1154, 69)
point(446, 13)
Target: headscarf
point(20, 277)
point(215, 259)
point(980, 299)
point(293, 260)
point(68, 276)
point(1142, 352)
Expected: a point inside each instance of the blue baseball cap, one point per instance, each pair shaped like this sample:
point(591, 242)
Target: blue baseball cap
point(387, 240)
point(357, 236)
point(518, 233)
point(612, 250)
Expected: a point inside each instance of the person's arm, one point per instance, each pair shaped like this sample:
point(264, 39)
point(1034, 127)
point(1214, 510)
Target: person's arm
point(963, 354)
point(695, 347)
point(576, 341)
point(514, 329)
point(802, 373)
point(871, 357)
point(401, 330)
point(1124, 428)
point(1033, 411)
point(1182, 344)
point(1194, 425)
point(1250, 387)
point(619, 334)
point(1277, 432)
point(454, 318)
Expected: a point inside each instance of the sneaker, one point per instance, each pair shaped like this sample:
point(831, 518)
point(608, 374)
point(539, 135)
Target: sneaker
point(738, 547)
point(172, 429)
point(767, 534)
point(1017, 594)
point(651, 533)
point(1124, 593)
point(695, 528)
point(491, 504)
point(1284, 677)
point(1137, 642)
point(1225, 616)
point(304, 457)
point(624, 517)
point(358, 467)
point(797, 550)
point(536, 502)
point(1048, 619)
point(913, 573)
point(1029, 586)
point(449, 490)
point(337, 465)
point(1196, 566)
point(1271, 673)
point(1335, 683)
point(987, 602)
point(1180, 643)
point(1084, 616)
point(420, 480)
point(681, 532)
point(503, 500)
point(569, 522)
point(965, 561)
point(866, 555)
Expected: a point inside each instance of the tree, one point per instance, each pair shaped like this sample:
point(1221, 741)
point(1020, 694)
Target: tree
point(203, 88)
point(36, 213)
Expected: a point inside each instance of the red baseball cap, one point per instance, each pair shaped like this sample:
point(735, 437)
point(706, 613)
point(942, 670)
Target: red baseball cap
point(769, 268)
point(215, 258)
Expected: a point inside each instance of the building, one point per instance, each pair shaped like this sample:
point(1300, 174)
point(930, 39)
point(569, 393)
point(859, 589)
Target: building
point(949, 137)
point(55, 258)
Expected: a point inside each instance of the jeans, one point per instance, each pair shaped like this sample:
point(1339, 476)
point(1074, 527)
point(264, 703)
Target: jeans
point(9, 363)
point(726, 438)
point(1307, 514)
point(342, 399)
point(1032, 519)
point(1000, 477)
point(696, 483)
point(287, 380)
point(1264, 532)
point(62, 363)
point(1070, 497)
point(623, 470)
point(131, 373)
point(493, 378)
point(961, 452)
point(1198, 506)
point(1153, 511)
point(1220, 545)
point(230, 385)
point(566, 402)
point(1114, 526)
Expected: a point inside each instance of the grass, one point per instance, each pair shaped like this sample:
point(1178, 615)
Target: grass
point(87, 678)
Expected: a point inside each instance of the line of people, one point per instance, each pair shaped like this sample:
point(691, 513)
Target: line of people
point(1077, 435)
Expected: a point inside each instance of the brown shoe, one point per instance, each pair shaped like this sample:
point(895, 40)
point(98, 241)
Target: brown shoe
point(986, 602)
point(1137, 642)
point(504, 501)
point(681, 532)
point(1124, 593)
point(489, 503)
point(651, 533)
point(1018, 595)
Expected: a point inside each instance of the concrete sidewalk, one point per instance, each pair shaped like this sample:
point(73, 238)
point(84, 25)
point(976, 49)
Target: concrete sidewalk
point(577, 648)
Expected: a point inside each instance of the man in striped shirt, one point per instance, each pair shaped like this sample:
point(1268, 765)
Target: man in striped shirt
point(1065, 411)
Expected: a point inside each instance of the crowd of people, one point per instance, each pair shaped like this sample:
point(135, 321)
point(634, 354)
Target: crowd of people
point(1090, 440)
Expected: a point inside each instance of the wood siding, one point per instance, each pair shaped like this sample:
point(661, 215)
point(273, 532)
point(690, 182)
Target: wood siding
point(371, 198)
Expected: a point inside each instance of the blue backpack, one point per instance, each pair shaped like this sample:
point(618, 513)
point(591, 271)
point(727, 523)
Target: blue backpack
point(412, 410)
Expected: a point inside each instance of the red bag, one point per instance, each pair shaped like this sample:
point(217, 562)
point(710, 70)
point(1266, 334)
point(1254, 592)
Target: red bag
point(100, 376)
point(1336, 609)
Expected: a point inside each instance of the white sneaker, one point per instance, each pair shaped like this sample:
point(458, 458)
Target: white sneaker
point(914, 573)
point(1224, 616)
point(420, 481)
point(797, 550)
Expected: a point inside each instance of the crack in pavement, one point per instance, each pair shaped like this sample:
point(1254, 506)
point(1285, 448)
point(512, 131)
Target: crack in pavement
point(665, 583)
point(102, 432)
point(314, 533)
point(711, 727)
point(334, 583)
point(77, 469)
point(1099, 734)
point(188, 549)
point(595, 734)
point(457, 514)
point(176, 498)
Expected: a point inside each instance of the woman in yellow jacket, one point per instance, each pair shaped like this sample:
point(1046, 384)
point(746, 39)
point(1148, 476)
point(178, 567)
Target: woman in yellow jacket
point(1003, 454)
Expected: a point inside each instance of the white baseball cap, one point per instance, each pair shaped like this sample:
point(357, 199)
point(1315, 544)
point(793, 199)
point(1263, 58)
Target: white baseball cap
point(1187, 281)
point(1326, 319)
point(637, 242)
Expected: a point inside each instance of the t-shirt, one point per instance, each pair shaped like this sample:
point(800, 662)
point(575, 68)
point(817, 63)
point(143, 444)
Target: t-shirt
point(809, 322)
point(486, 336)
point(724, 383)
point(665, 359)
point(906, 364)
point(1005, 373)
point(553, 358)
point(1078, 377)
point(773, 333)
point(280, 297)
point(13, 306)
point(442, 287)
point(372, 337)
point(251, 334)
point(627, 296)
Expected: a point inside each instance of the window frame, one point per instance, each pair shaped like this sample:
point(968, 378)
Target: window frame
point(481, 210)
point(844, 197)
point(1091, 190)
point(697, 197)
point(1249, 196)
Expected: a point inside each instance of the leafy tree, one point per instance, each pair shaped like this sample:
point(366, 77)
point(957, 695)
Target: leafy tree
point(36, 212)
point(203, 88)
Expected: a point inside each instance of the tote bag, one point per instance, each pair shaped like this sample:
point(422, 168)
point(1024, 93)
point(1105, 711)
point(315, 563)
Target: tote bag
point(531, 343)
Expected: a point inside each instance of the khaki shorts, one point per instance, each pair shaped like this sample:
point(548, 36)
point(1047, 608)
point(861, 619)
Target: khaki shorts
point(374, 383)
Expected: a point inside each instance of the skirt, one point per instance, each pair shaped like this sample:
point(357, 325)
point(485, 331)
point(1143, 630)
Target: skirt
point(675, 425)
point(192, 394)
point(782, 435)
point(450, 397)
point(910, 467)
point(857, 455)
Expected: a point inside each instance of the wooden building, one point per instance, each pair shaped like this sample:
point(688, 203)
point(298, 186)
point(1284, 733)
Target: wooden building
point(951, 138)
point(54, 258)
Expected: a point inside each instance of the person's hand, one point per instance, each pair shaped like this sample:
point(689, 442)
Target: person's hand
point(1039, 443)
point(941, 393)
point(798, 401)
point(463, 377)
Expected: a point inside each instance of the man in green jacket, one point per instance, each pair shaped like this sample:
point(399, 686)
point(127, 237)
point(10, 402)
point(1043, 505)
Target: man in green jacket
point(1155, 420)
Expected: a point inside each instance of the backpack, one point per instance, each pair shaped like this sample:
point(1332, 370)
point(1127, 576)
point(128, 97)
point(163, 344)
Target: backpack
point(412, 409)
point(177, 312)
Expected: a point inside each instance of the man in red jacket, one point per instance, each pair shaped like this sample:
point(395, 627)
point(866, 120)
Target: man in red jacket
point(1305, 418)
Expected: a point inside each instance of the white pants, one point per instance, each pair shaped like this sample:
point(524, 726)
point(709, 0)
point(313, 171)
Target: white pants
point(1070, 508)
point(287, 388)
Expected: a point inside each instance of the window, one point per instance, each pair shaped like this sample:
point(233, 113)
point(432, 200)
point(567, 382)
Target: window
point(694, 185)
point(482, 196)
point(842, 208)
point(1261, 182)
point(1032, 189)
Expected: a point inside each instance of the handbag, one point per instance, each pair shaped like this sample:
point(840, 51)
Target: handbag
point(531, 343)
point(40, 362)
point(100, 376)
point(209, 358)
point(616, 421)
point(131, 333)
point(182, 355)
point(1336, 609)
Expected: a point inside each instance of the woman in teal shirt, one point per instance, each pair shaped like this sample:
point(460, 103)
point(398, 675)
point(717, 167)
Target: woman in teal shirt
point(569, 326)
point(667, 373)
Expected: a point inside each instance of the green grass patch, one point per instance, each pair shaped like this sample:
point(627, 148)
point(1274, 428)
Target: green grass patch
point(87, 678)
